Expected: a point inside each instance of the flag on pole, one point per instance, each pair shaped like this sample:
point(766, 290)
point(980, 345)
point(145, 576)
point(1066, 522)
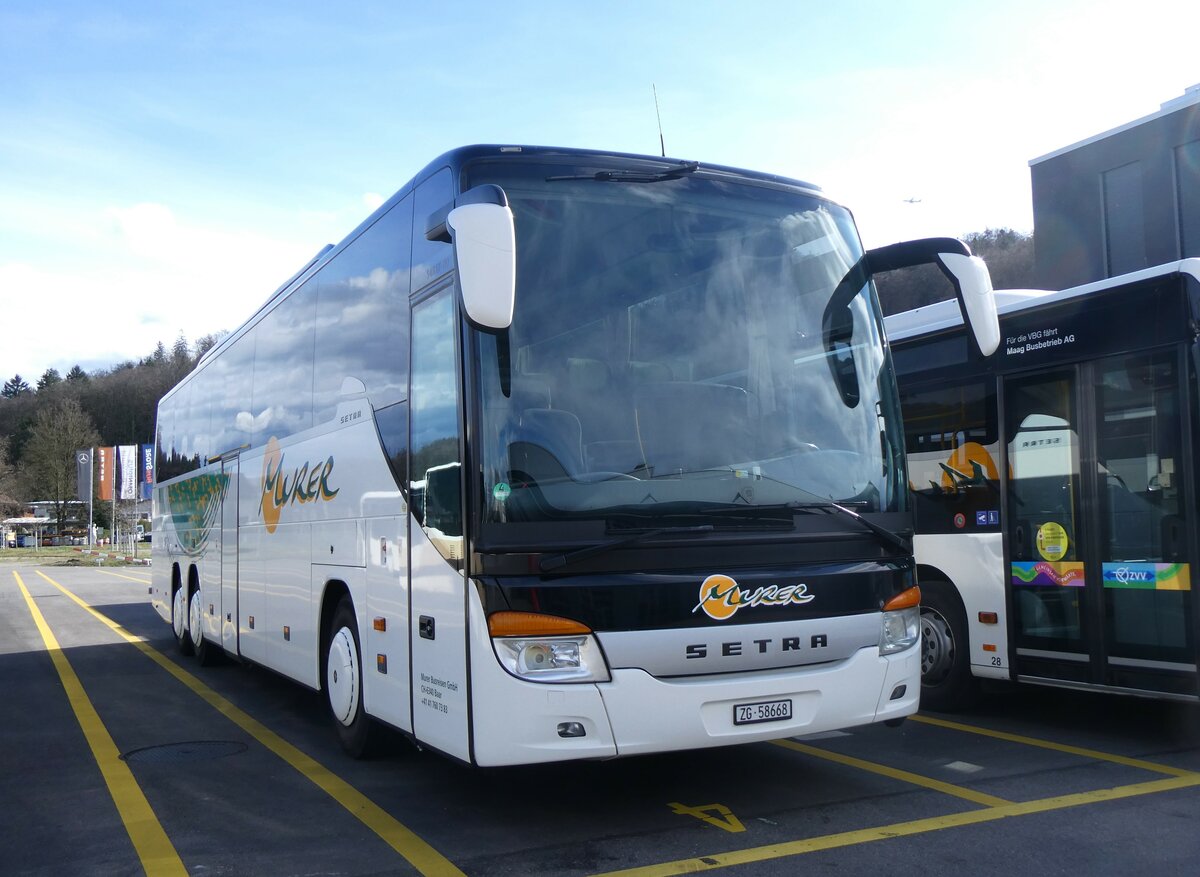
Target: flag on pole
point(106, 470)
point(129, 471)
point(83, 474)
point(147, 472)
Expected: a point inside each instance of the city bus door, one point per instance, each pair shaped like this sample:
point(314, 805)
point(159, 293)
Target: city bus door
point(1046, 533)
point(1096, 538)
point(229, 556)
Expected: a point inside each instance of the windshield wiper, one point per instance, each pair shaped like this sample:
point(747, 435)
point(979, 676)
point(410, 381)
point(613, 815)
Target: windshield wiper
point(673, 173)
point(895, 540)
point(554, 561)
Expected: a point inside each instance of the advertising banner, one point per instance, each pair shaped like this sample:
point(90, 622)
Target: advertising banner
point(106, 471)
point(83, 474)
point(146, 482)
point(129, 471)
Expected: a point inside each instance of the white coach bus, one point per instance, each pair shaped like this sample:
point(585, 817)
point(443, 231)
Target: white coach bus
point(560, 455)
point(1055, 488)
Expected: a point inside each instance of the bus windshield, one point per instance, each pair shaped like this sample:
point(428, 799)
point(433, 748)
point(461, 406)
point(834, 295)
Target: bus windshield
point(673, 353)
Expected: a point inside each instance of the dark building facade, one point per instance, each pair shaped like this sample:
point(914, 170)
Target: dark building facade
point(1120, 201)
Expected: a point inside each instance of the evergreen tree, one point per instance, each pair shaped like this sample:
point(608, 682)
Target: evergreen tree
point(50, 377)
point(15, 386)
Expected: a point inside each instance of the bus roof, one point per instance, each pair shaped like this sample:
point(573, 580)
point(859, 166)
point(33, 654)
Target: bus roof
point(943, 315)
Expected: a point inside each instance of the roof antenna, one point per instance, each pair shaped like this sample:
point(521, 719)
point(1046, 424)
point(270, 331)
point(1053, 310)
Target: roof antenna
point(661, 142)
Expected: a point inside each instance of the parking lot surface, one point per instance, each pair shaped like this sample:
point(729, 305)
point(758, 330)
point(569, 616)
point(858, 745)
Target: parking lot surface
point(119, 756)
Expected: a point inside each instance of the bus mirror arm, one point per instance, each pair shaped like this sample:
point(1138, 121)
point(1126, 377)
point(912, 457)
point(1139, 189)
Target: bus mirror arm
point(969, 275)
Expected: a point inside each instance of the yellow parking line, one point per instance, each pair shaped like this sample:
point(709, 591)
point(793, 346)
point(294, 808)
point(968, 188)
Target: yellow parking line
point(154, 849)
point(902, 829)
point(121, 576)
point(896, 774)
point(403, 840)
point(1057, 747)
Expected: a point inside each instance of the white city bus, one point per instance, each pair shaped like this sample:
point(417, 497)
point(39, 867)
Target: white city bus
point(560, 455)
point(1054, 487)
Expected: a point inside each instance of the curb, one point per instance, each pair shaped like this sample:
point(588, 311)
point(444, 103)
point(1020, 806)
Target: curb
point(144, 561)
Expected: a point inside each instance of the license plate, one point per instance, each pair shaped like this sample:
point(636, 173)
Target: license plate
point(767, 711)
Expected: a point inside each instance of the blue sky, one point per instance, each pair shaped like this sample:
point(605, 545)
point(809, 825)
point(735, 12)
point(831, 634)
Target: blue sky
point(163, 166)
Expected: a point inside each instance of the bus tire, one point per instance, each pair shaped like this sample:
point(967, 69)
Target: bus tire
point(947, 684)
point(202, 647)
point(343, 678)
point(179, 620)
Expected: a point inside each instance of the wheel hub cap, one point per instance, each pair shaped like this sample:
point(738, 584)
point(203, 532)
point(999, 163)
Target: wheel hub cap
point(341, 677)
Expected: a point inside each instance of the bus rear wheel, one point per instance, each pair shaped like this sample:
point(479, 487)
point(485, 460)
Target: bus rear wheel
point(179, 620)
point(343, 682)
point(947, 684)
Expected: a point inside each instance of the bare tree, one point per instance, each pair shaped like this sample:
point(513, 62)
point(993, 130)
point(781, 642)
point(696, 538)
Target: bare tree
point(9, 487)
point(59, 430)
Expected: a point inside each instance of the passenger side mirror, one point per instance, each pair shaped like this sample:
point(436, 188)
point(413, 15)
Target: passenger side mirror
point(485, 254)
point(970, 276)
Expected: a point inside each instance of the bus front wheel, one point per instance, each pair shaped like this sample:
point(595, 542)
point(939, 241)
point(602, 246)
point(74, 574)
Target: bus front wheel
point(343, 682)
point(946, 680)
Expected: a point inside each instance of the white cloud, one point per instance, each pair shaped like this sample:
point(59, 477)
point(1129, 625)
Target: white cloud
point(147, 276)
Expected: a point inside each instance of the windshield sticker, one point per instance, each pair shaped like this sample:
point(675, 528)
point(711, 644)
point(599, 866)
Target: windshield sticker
point(721, 597)
point(1148, 576)
point(1043, 572)
point(309, 482)
point(501, 492)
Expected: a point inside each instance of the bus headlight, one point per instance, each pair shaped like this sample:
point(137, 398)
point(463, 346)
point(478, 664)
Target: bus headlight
point(546, 648)
point(900, 627)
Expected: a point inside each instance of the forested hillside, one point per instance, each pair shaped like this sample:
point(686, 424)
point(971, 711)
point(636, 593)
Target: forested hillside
point(112, 406)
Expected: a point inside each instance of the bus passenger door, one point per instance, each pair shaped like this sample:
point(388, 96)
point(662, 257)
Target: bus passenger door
point(1149, 632)
point(229, 556)
point(1045, 528)
point(437, 585)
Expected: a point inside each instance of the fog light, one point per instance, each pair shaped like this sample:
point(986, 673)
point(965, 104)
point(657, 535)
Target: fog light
point(571, 729)
point(899, 692)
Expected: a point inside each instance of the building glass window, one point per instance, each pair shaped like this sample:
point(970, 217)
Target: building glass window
point(1124, 220)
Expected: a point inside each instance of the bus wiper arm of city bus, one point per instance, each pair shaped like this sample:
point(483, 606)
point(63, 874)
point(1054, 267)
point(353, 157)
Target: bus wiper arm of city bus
point(894, 540)
point(554, 561)
point(620, 176)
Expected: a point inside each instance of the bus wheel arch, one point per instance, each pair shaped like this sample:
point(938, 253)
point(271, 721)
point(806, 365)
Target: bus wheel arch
point(179, 612)
point(342, 671)
point(947, 683)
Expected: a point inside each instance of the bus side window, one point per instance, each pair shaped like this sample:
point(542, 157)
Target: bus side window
point(953, 457)
point(364, 288)
point(434, 464)
point(393, 432)
point(431, 259)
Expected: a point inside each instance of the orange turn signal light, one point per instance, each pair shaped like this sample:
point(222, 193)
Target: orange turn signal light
point(904, 600)
point(989, 618)
point(533, 624)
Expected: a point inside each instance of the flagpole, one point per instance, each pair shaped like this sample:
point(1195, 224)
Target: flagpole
point(91, 495)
